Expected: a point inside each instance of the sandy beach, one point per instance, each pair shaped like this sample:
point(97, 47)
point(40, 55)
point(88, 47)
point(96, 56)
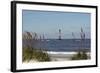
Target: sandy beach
point(59, 56)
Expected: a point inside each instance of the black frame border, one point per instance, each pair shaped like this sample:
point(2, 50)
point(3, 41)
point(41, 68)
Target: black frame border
point(13, 35)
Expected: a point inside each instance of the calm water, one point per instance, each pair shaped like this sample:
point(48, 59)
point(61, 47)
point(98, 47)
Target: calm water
point(64, 45)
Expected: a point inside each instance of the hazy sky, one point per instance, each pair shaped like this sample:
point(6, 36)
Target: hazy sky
point(49, 23)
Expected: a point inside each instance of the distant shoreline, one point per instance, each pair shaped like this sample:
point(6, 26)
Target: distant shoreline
point(67, 39)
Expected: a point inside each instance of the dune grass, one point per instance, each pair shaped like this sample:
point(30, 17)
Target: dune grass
point(34, 54)
point(80, 56)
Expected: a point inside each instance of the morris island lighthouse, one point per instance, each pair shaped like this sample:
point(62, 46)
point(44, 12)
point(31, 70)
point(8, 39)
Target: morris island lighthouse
point(59, 34)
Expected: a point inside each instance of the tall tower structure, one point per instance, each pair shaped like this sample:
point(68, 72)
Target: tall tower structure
point(59, 34)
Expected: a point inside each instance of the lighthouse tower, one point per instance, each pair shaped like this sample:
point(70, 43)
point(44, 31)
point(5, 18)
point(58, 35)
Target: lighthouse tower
point(59, 34)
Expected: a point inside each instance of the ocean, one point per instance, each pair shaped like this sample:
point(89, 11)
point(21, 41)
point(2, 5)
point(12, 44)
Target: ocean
point(64, 45)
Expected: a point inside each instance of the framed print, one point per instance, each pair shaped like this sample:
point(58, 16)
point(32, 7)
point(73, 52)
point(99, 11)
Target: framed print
point(47, 36)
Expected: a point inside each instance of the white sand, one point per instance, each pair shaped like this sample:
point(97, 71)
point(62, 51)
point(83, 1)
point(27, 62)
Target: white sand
point(60, 57)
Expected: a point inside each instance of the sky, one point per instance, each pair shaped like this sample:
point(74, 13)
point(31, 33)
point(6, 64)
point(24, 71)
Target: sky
point(48, 23)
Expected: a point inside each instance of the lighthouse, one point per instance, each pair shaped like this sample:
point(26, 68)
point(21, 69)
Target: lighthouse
point(59, 34)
